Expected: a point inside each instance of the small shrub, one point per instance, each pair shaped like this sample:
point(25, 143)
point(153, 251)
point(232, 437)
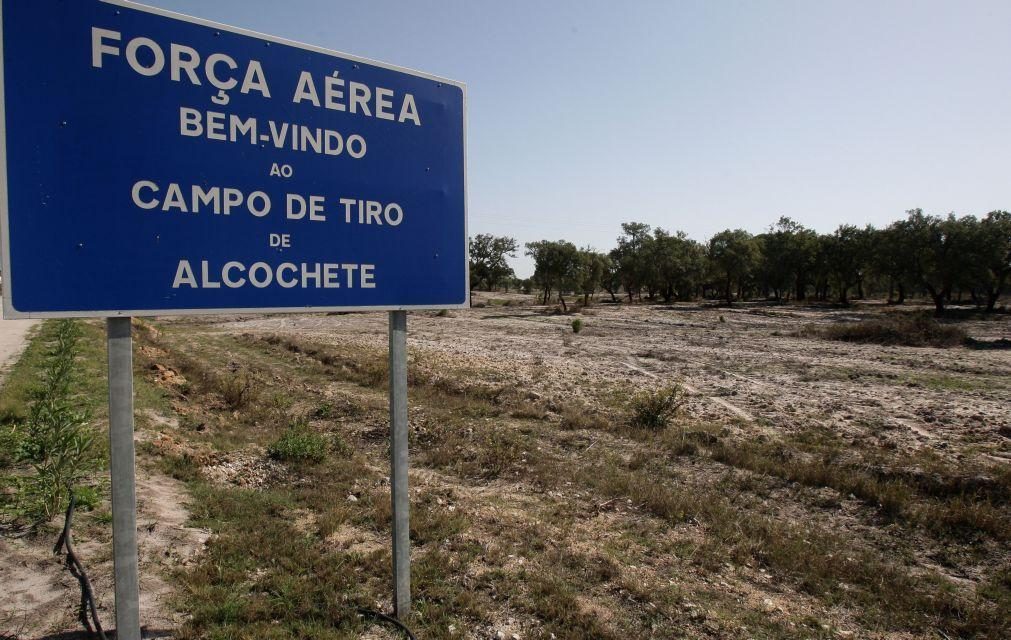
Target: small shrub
point(56, 437)
point(324, 411)
point(722, 319)
point(655, 408)
point(577, 325)
point(237, 391)
point(299, 443)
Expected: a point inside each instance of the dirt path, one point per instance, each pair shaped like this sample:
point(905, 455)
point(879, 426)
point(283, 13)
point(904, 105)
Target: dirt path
point(13, 339)
point(736, 411)
point(41, 596)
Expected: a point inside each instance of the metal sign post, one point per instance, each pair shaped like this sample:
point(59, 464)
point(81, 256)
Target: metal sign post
point(121, 467)
point(398, 464)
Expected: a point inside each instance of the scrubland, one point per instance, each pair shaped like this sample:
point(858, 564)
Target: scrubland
point(803, 477)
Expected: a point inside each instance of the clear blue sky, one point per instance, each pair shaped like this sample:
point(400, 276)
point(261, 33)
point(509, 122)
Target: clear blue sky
point(696, 116)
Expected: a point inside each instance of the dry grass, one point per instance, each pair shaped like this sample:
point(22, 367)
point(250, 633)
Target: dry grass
point(679, 511)
point(897, 329)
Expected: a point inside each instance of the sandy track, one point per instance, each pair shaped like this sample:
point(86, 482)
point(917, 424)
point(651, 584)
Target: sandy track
point(13, 339)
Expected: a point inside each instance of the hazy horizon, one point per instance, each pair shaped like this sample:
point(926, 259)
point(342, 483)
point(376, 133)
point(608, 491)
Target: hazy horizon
point(696, 116)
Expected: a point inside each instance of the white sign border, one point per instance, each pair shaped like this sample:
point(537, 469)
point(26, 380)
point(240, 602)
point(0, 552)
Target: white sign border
point(9, 312)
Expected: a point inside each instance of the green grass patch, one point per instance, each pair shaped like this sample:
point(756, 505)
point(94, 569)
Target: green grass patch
point(299, 443)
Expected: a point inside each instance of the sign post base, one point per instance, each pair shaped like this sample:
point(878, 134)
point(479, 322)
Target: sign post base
point(121, 468)
point(398, 465)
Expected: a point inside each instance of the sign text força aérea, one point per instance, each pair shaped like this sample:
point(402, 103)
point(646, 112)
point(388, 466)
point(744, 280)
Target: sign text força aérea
point(167, 165)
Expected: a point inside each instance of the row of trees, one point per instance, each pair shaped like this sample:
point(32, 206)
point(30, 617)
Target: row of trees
point(947, 258)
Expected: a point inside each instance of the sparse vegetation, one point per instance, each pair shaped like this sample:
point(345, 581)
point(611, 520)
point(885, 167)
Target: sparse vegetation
point(563, 506)
point(905, 329)
point(577, 325)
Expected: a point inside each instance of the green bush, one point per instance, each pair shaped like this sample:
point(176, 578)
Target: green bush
point(655, 408)
point(577, 325)
point(324, 411)
point(299, 443)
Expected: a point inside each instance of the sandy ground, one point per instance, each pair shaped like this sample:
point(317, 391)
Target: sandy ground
point(41, 597)
point(13, 339)
point(743, 364)
point(749, 370)
point(745, 368)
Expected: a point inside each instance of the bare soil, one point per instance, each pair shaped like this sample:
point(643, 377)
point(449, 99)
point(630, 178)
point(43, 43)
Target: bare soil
point(743, 365)
point(753, 377)
point(539, 512)
point(42, 597)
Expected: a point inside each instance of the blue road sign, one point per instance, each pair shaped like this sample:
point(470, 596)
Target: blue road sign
point(161, 164)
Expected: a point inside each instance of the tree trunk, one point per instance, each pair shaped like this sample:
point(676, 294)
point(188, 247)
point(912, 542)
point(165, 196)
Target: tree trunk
point(974, 296)
point(565, 308)
point(902, 294)
point(939, 305)
point(938, 297)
